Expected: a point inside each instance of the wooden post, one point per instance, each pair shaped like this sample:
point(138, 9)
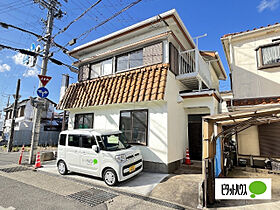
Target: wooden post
point(220, 129)
point(208, 162)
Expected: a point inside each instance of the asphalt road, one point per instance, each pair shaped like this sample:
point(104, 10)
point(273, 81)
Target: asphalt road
point(10, 158)
point(22, 196)
point(37, 190)
point(19, 195)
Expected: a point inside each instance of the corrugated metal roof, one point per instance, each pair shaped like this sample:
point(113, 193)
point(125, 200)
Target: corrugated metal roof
point(144, 84)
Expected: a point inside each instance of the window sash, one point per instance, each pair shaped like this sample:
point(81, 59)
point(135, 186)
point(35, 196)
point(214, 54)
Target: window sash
point(102, 68)
point(84, 121)
point(130, 60)
point(136, 129)
point(268, 56)
point(271, 55)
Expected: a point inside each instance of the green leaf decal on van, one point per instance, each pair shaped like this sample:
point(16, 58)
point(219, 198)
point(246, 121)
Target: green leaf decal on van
point(94, 161)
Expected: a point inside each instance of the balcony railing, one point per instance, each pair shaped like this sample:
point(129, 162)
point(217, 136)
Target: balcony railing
point(192, 67)
point(187, 63)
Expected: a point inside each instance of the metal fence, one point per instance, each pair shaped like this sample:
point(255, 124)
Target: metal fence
point(47, 138)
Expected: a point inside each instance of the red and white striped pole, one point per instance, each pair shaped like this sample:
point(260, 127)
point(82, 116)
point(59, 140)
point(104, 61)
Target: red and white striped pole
point(21, 154)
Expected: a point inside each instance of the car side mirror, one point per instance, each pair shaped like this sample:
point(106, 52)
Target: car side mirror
point(95, 148)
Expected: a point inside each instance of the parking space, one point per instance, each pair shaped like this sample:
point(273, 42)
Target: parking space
point(142, 184)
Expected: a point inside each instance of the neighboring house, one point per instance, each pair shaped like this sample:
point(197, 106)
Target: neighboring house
point(150, 81)
point(24, 123)
point(227, 98)
point(254, 60)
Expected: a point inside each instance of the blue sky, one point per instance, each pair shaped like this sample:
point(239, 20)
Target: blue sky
point(216, 18)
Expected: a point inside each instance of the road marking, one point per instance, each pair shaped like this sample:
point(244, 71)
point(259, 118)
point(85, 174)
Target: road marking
point(9, 208)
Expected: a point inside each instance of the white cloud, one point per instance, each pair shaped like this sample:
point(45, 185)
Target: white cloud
point(268, 4)
point(4, 67)
point(31, 72)
point(18, 59)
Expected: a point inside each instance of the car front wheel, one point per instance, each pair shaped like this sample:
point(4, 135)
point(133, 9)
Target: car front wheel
point(62, 168)
point(110, 177)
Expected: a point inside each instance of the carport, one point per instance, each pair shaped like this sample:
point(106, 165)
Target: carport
point(213, 129)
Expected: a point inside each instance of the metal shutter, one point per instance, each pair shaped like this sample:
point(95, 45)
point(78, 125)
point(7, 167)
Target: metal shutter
point(173, 56)
point(83, 73)
point(152, 54)
point(269, 138)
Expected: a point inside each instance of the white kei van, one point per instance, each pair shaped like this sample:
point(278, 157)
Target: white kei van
point(103, 154)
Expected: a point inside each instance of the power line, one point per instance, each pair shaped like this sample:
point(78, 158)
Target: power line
point(73, 41)
point(6, 25)
point(8, 9)
point(30, 53)
point(73, 21)
point(110, 18)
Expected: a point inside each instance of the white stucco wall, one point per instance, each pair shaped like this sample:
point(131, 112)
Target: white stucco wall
point(108, 117)
point(226, 97)
point(247, 80)
point(214, 78)
point(125, 41)
point(176, 119)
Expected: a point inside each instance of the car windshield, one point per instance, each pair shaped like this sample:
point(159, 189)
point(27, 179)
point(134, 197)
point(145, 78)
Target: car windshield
point(114, 142)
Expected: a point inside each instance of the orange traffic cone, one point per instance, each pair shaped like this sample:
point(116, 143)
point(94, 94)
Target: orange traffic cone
point(38, 161)
point(21, 154)
point(188, 160)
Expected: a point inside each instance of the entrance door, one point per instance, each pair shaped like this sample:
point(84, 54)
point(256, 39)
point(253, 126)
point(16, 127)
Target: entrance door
point(195, 136)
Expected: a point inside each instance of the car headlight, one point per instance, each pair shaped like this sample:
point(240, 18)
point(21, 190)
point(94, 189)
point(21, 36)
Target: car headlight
point(120, 158)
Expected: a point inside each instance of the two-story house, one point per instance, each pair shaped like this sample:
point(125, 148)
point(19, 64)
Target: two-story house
point(24, 123)
point(150, 81)
point(253, 57)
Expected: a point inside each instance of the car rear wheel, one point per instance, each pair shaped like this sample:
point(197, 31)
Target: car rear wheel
point(110, 177)
point(62, 168)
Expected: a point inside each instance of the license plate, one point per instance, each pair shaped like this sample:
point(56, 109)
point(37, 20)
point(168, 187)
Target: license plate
point(132, 168)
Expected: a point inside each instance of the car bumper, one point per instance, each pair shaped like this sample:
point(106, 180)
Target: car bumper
point(126, 173)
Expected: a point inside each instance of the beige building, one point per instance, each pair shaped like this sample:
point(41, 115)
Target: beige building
point(253, 57)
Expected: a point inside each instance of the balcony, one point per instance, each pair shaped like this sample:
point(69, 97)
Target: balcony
point(193, 70)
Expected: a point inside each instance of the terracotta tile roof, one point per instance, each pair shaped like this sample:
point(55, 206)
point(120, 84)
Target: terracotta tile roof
point(255, 101)
point(230, 34)
point(144, 84)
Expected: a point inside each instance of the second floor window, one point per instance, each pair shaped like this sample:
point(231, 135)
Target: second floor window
point(130, 60)
point(102, 68)
point(148, 55)
point(268, 56)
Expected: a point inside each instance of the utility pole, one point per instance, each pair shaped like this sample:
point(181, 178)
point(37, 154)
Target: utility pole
point(11, 138)
point(64, 86)
point(52, 13)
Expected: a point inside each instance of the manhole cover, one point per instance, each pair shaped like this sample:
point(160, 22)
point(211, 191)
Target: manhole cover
point(92, 197)
point(14, 169)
